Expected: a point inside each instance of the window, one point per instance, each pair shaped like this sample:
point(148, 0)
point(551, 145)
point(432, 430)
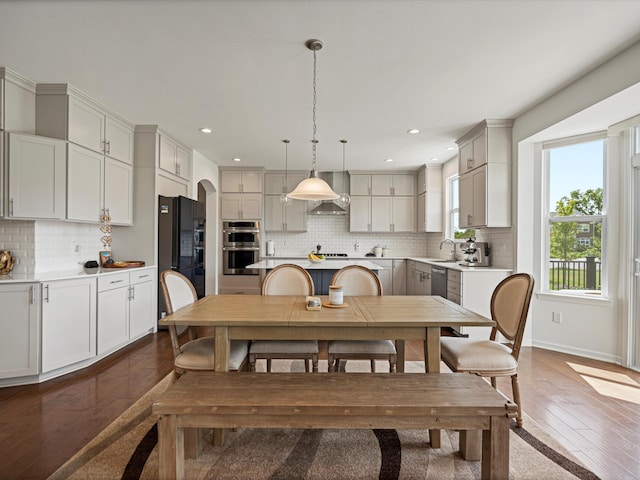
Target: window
point(575, 226)
point(453, 225)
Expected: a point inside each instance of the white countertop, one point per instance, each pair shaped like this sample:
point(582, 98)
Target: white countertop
point(308, 265)
point(61, 275)
point(456, 265)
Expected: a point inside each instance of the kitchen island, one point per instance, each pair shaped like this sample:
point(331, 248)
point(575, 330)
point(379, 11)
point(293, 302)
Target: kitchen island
point(321, 272)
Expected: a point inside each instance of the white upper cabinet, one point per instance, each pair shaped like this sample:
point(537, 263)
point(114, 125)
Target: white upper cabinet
point(174, 158)
point(382, 184)
point(487, 142)
point(85, 180)
point(485, 175)
point(17, 102)
point(430, 199)
point(241, 181)
point(63, 111)
point(276, 183)
point(96, 183)
point(37, 177)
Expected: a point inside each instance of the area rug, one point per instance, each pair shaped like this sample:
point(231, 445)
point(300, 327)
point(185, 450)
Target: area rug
point(126, 450)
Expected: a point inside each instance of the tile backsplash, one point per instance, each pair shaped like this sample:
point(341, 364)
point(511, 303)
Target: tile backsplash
point(332, 232)
point(46, 246)
point(18, 236)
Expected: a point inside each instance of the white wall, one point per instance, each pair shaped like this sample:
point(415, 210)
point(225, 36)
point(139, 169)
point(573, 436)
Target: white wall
point(590, 327)
point(207, 172)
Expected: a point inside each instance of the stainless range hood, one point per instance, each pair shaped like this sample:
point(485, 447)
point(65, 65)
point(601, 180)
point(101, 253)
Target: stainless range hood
point(328, 207)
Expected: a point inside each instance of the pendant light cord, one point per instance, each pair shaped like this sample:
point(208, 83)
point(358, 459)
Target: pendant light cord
point(315, 128)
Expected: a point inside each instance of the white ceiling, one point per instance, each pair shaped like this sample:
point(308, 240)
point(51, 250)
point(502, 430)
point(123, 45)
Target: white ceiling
point(241, 68)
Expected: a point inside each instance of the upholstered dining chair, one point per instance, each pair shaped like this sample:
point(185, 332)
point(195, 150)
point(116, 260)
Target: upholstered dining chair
point(286, 279)
point(491, 358)
point(189, 351)
point(358, 280)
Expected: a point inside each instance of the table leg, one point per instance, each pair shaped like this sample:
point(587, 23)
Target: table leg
point(221, 364)
point(432, 365)
point(400, 350)
point(170, 448)
point(495, 449)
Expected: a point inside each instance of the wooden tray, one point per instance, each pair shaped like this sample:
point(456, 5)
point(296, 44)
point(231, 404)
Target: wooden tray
point(328, 305)
point(125, 264)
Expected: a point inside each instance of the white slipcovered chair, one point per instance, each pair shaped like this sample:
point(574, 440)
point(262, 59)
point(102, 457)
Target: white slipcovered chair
point(286, 279)
point(490, 358)
point(194, 353)
point(357, 280)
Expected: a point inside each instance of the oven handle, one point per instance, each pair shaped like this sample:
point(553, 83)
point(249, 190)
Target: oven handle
point(240, 230)
point(232, 249)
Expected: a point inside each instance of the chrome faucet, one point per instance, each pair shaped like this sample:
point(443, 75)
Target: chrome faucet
point(452, 254)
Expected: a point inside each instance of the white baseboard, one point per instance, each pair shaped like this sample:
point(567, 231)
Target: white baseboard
point(580, 352)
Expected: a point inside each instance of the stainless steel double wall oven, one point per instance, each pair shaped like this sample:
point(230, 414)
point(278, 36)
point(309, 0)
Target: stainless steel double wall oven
point(240, 247)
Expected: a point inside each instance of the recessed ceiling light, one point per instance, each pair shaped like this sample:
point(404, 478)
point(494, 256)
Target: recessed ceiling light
point(451, 148)
point(388, 160)
point(206, 130)
point(413, 130)
point(236, 159)
point(434, 159)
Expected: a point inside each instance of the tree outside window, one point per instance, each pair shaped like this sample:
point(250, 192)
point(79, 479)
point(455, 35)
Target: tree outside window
point(575, 216)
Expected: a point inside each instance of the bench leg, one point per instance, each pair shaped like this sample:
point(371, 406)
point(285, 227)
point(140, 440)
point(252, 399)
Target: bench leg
point(471, 444)
point(495, 450)
point(193, 442)
point(170, 449)
point(432, 365)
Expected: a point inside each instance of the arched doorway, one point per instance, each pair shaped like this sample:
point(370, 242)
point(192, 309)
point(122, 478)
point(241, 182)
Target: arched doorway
point(208, 195)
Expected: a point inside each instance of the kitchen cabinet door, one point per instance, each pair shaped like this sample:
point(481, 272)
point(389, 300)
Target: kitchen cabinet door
point(118, 191)
point(85, 181)
point(360, 184)
point(381, 216)
point(360, 214)
point(403, 214)
point(37, 177)
point(273, 214)
point(278, 218)
point(473, 203)
point(17, 102)
point(68, 322)
point(241, 206)
point(113, 318)
point(241, 181)
point(19, 322)
point(399, 275)
point(86, 125)
point(142, 311)
point(168, 155)
point(119, 138)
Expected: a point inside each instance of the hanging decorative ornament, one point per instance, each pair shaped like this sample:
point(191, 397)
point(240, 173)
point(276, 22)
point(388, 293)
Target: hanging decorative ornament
point(105, 254)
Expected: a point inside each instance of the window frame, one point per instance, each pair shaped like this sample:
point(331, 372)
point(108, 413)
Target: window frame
point(548, 220)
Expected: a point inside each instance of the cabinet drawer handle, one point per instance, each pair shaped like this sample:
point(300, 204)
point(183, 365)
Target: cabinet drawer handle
point(107, 145)
point(46, 297)
point(115, 281)
point(143, 276)
point(11, 207)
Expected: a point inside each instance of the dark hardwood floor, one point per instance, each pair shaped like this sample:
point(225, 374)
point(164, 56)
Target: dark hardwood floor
point(591, 407)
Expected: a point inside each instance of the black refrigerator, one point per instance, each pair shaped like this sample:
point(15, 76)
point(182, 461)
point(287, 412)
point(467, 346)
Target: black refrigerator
point(181, 224)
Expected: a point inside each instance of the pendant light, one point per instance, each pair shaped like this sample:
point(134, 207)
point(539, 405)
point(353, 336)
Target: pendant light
point(313, 188)
point(284, 198)
point(344, 200)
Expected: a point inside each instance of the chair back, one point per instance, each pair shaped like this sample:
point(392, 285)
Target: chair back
point(357, 280)
point(510, 307)
point(177, 290)
point(287, 279)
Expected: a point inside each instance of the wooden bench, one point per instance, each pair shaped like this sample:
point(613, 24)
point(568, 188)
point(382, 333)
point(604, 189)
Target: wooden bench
point(333, 400)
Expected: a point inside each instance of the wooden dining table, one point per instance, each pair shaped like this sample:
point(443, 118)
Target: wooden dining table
point(394, 317)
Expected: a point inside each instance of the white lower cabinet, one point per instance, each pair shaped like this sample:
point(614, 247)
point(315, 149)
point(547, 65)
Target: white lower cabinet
point(418, 278)
point(68, 322)
point(125, 307)
point(393, 276)
point(382, 214)
point(19, 343)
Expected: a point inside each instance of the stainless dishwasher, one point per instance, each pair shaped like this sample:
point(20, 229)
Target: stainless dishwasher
point(439, 281)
